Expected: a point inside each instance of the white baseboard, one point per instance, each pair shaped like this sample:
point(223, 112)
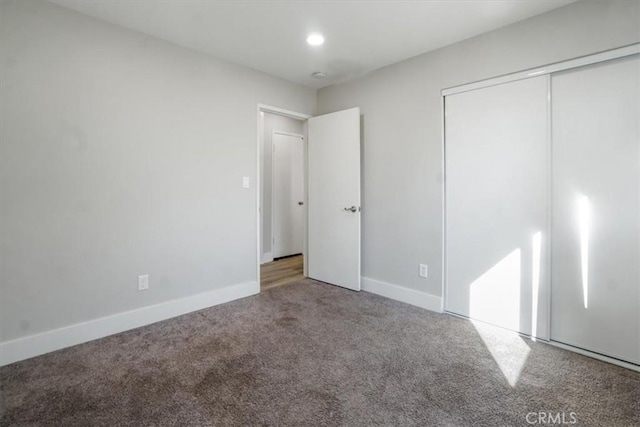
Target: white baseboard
point(45, 342)
point(266, 257)
point(628, 365)
point(400, 293)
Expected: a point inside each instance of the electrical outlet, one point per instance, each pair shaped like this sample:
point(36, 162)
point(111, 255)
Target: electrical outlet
point(423, 270)
point(245, 182)
point(143, 282)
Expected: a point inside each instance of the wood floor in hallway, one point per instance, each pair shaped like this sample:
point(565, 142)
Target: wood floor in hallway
point(280, 272)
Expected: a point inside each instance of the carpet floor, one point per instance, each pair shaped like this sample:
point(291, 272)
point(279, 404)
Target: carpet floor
point(313, 354)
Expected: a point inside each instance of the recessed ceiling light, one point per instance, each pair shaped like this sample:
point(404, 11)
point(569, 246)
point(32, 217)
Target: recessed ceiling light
point(318, 75)
point(315, 39)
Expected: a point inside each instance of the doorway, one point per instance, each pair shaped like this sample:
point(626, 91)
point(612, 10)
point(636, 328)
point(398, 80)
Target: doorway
point(282, 146)
point(329, 198)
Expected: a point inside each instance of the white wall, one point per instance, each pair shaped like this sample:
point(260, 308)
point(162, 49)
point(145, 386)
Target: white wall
point(121, 155)
point(401, 108)
point(272, 122)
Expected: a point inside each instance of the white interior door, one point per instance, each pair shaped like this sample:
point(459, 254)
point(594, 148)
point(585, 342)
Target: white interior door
point(334, 198)
point(595, 298)
point(496, 204)
point(288, 194)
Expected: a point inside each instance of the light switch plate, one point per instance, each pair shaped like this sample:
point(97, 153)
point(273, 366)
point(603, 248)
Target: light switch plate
point(143, 282)
point(424, 272)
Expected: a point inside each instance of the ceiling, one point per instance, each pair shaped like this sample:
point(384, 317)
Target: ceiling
point(270, 36)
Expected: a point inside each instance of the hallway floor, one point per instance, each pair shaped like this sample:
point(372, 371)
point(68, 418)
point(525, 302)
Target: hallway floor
point(280, 272)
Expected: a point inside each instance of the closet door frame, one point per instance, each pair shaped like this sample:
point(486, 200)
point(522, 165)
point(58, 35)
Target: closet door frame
point(547, 70)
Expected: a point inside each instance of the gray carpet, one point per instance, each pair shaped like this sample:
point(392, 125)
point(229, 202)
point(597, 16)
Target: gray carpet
point(314, 354)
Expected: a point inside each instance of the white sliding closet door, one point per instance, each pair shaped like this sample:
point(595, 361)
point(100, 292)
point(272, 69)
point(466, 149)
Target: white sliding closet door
point(496, 205)
point(595, 297)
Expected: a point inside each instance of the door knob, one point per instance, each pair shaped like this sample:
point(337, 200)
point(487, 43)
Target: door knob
point(301, 203)
point(351, 209)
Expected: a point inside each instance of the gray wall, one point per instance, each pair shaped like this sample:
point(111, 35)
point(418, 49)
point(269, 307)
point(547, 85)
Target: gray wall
point(120, 155)
point(401, 108)
point(272, 122)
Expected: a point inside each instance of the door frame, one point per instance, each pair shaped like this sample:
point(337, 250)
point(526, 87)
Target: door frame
point(263, 108)
point(304, 185)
